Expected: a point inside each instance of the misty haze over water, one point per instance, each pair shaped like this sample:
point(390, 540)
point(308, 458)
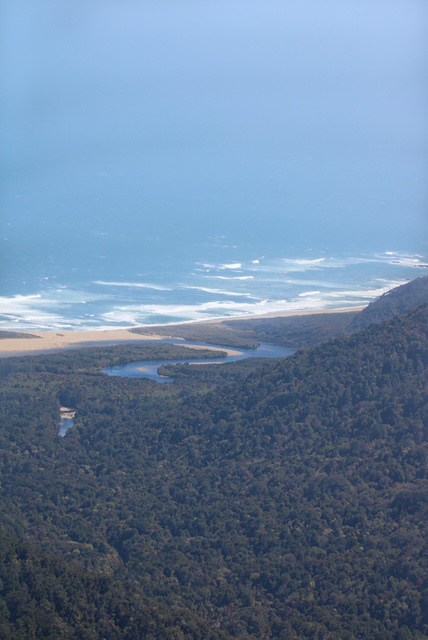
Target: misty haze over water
point(176, 161)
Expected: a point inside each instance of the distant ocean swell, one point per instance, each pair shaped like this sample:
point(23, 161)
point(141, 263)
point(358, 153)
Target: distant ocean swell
point(210, 291)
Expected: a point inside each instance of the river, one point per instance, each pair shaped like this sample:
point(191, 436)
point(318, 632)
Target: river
point(149, 368)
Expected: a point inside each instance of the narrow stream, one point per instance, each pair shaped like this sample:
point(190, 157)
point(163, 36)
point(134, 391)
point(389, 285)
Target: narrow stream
point(66, 420)
point(64, 425)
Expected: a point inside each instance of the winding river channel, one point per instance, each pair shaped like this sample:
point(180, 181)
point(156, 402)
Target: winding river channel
point(149, 368)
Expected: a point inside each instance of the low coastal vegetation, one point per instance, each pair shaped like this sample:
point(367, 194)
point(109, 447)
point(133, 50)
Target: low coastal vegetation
point(290, 331)
point(257, 499)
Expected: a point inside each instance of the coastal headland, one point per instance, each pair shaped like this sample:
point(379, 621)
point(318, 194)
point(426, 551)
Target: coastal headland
point(235, 332)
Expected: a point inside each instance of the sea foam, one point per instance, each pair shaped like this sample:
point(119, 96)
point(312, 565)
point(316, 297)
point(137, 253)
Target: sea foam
point(275, 285)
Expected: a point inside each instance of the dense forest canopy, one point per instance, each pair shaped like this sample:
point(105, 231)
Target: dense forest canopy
point(258, 499)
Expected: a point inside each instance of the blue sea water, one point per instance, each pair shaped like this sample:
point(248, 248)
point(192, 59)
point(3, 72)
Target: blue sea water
point(177, 162)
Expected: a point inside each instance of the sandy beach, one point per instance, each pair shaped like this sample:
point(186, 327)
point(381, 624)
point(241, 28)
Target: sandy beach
point(47, 341)
point(50, 341)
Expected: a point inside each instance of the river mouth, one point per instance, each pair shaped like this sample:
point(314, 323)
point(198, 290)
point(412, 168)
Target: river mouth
point(150, 368)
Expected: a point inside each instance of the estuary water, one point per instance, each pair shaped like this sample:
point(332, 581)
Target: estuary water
point(149, 368)
point(173, 162)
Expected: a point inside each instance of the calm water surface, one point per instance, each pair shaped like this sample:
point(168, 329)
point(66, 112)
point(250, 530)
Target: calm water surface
point(149, 368)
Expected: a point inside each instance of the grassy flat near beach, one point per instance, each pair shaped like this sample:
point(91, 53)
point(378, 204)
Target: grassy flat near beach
point(293, 330)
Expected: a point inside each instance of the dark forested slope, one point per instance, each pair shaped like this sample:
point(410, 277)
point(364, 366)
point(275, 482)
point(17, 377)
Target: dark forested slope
point(397, 301)
point(291, 503)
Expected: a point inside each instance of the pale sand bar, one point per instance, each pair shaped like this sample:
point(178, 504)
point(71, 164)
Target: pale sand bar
point(49, 341)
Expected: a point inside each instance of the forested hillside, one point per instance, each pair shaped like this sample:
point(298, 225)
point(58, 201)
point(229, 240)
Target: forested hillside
point(397, 301)
point(271, 500)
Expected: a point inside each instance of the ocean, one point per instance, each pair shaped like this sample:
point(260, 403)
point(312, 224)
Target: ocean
point(185, 162)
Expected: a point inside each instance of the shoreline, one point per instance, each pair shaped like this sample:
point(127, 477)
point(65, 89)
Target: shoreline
point(45, 342)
